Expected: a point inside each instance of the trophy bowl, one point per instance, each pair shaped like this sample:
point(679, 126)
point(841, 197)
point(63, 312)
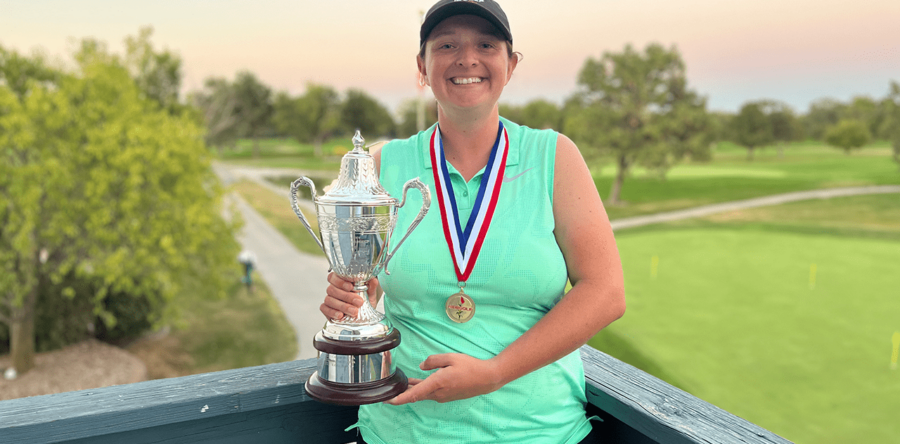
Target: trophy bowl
point(356, 220)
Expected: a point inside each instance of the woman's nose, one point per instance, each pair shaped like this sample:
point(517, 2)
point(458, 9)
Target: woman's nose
point(467, 56)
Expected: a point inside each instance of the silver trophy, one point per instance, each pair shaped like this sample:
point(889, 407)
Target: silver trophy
point(356, 221)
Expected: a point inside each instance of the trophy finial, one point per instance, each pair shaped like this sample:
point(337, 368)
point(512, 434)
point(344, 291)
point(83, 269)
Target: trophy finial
point(359, 144)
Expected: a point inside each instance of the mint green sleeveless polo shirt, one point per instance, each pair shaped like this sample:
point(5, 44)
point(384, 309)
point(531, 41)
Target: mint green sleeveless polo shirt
point(519, 276)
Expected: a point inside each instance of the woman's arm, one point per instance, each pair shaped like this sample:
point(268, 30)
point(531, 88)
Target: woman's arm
point(596, 299)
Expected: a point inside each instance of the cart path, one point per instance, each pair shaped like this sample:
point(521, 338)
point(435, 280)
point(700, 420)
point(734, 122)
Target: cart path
point(724, 207)
point(297, 279)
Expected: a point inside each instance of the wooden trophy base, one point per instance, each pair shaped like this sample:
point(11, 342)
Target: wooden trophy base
point(358, 393)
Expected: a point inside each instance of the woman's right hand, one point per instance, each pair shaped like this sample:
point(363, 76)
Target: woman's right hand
point(341, 300)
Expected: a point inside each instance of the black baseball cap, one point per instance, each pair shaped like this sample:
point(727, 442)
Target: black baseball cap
point(486, 9)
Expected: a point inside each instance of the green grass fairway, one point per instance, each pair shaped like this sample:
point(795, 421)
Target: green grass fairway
point(288, 153)
point(730, 176)
point(734, 315)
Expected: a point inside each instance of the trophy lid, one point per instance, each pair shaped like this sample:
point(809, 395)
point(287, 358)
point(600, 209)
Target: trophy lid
point(357, 183)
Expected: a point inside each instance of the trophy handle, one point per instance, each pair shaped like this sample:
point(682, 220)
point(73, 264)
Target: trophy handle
point(295, 185)
point(426, 203)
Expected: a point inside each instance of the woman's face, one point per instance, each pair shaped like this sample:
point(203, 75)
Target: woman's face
point(466, 64)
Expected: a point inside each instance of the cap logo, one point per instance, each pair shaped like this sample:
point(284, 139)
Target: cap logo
point(470, 1)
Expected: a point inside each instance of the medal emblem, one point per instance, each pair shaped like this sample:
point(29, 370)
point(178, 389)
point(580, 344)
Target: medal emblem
point(460, 307)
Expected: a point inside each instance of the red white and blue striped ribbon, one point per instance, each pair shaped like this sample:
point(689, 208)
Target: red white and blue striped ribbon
point(465, 242)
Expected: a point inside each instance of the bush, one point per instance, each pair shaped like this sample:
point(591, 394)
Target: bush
point(62, 320)
point(848, 135)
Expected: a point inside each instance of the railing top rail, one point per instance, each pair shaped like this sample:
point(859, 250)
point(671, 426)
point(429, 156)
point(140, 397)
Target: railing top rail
point(270, 400)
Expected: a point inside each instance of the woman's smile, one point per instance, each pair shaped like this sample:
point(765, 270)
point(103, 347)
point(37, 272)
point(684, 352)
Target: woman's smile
point(466, 80)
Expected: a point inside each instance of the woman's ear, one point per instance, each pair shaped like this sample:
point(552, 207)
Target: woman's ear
point(513, 62)
point(423, 74)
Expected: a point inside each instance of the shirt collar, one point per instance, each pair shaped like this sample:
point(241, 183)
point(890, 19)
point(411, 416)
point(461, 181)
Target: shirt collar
point(512, 158)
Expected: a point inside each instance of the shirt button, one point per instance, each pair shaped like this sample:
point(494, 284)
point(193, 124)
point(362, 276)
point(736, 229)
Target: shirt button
point(465, 193)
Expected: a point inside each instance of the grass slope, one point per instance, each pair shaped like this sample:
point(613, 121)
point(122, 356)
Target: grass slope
point(244, 329)
point(277, 211)
point(734, 316)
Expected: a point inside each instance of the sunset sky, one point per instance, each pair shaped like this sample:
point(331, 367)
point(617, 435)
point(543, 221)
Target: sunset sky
point(796, 51)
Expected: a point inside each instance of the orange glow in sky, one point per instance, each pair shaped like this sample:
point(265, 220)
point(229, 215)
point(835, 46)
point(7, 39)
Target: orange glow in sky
point(738, 50)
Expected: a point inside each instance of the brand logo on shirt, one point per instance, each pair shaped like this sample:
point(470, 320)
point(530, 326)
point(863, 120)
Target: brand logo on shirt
point(512, 178)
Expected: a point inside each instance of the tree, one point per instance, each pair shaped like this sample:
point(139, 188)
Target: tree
point(98, 183)
point(20, 73)
point(721, 128)
point(511, 112)
point(541, 114)
point(218, 105)
point(892, 125)
point(866, 110)
point(848, 135)
point(310, 118)
point(637, 107)
point(409, 114)
point(752, 129)
point(253, 107)
point(823, 113)
point(156, 73)
point(363, 112)
point(784, 124)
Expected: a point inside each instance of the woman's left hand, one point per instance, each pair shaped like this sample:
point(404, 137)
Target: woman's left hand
point(458, 376)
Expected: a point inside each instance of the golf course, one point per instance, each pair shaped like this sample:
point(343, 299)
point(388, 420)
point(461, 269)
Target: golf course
point(783, 315)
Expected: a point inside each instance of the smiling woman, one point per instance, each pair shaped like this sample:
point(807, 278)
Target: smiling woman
point(488, 330)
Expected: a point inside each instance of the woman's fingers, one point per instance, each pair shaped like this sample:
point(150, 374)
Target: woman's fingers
point(373, 291)
point(338, 282)
point(331, 313)
point(340, 299)
point(340, 306)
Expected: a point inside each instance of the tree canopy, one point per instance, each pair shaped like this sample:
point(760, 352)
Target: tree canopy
point(637, 107)
point(98, 182)
point(156, 73)
point(311, 117)
point(362, 111)
point(752, 128)
point(848, 135)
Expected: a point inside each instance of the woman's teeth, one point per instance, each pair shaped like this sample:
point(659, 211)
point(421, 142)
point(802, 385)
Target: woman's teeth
point(467, 81)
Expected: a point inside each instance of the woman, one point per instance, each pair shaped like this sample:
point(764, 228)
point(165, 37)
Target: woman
point(518, 215)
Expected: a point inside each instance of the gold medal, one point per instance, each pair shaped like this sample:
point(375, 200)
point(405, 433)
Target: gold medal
point(460, 307)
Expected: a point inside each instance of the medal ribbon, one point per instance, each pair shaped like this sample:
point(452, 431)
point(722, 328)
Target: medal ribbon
point(465, 244)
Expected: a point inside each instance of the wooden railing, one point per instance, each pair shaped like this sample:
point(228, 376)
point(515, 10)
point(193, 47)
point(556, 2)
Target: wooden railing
point(267, 404)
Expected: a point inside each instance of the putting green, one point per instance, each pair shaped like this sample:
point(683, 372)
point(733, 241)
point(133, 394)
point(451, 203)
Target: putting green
point(790, 331)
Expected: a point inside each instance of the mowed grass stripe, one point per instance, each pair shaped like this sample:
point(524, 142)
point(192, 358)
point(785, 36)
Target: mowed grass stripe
point(731, 313)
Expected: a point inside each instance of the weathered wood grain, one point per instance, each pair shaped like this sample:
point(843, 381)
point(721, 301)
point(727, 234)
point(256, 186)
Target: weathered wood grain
point(263, 404)
point(659, 411)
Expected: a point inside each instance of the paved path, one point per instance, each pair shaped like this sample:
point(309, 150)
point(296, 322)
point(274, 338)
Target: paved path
point(776, 199)
point(297, 279)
